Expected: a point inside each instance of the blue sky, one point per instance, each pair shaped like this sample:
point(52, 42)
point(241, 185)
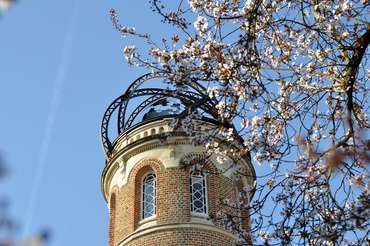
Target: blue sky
point(60, 67)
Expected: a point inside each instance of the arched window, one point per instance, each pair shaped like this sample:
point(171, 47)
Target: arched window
point(198, 191)
point(148, 208)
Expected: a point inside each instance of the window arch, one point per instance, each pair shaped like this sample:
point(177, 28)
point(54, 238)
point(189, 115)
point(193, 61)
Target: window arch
point(198, 192)
point(148, 202)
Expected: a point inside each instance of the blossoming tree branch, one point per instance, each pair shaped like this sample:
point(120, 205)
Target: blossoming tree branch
point(289, 77)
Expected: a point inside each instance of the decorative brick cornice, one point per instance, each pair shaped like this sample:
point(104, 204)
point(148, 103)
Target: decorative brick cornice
point(146, 147)
point(176, 226)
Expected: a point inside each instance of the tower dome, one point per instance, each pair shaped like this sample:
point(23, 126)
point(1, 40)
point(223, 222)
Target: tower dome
point(162, 188)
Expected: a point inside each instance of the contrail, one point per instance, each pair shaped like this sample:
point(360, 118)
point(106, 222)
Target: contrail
point(54, 104)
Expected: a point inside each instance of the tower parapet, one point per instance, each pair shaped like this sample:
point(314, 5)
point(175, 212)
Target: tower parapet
point(161, 188)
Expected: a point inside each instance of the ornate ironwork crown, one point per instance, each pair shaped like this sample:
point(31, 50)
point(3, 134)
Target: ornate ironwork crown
point(143, 101)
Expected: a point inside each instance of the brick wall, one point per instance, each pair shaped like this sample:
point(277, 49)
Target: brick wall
point(173, 206)
point(112, 218)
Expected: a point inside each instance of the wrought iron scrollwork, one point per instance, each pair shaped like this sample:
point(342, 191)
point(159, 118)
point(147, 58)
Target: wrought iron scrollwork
point(196, 93)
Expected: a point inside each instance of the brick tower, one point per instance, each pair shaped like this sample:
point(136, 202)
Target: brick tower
point(161, 188)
